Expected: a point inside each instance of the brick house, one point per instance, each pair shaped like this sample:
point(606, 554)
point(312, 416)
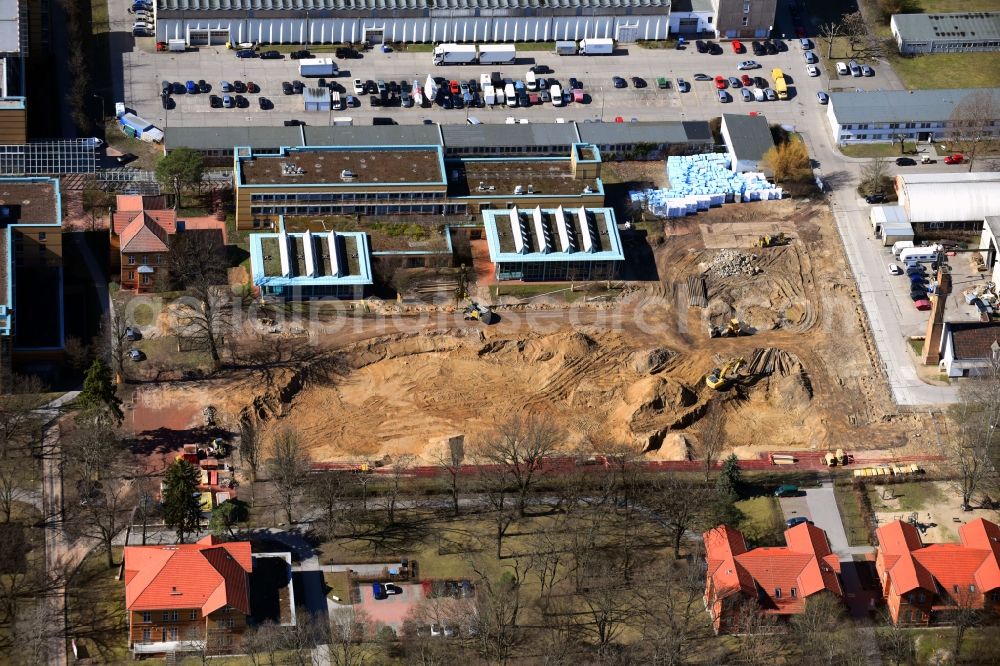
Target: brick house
point(141, 230)
point(188, 596)
point(922, 582)
point(778, 579)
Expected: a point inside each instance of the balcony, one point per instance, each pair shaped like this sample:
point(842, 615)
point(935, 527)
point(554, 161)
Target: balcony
point(162, 647)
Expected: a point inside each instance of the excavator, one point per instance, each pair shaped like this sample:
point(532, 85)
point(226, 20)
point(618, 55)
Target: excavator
point(720, 378)
point(732, 329)
point(476, 312)
point(771, 241)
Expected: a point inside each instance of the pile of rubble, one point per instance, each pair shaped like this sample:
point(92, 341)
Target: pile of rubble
point(728, 263)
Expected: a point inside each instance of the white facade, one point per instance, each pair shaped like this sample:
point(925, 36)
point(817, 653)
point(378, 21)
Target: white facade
point(686, 23)
point(197, 31)
point(890, 224)
point(949, 197)
point(990, 247)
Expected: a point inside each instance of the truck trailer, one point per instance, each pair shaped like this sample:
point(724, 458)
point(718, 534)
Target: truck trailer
point(177, 45)
point(455, 54)
point(139, 128)
point(497, 54)
point(565, 48)
point(318, 67)
point(596, 46)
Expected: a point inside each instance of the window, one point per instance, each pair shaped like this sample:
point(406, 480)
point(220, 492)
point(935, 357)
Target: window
point(746, 7)
point(131, 275)
point(170, 616)
point(147, 635)
point(746, 21)
point(131, 259)
point(972, 588)
point(920, 597)
point(954, 588)
point(193, 615)
point(41, 237)
point(777, 593)
point(145, 279)
point(172, 633)
point(795, 593)
point(147, 616)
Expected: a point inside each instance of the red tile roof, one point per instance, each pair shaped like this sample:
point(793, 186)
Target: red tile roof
point(207, 575)
point(974, 340)
point(912, 565)
point(806, 566)
point(146, 231)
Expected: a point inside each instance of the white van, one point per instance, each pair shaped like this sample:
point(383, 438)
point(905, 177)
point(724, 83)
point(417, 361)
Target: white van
point(899, 246)
point(531, 81)
point(919, 255)
point(508, 91)
point(557, 95)
point(758, 94)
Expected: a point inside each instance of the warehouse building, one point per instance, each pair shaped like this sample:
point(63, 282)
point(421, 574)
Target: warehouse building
point(203, 22)
point(961, 32)
point(748, 138)
point(403, 180)
point(889, 115)
point(332, 264)
point(948, 201)
point(553, 244)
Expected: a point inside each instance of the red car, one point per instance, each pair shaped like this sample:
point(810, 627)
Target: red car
point(747, 81)
point(923, 304)
point(720, 82)
point(957, 158)
point(454, 88)
point(737, 46)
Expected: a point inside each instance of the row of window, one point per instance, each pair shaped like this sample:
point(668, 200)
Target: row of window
point(934, 125)
point(132, 258)
point(777, 593)
point(143, 279)
point(348, 196)
point(458, 209)
point(508, 150)
point(169, 616)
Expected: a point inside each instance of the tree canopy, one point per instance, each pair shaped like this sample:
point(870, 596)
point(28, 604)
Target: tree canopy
point(99, 398)
point(181, 502)
point(181, 167)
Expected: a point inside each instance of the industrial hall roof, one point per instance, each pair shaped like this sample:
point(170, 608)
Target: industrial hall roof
point(397, 5)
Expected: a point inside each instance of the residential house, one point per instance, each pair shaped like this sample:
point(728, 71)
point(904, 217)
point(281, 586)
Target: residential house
point(141, 230)
point(921, 582)
point(967, 348)
point(187, 597)
point(779, 579)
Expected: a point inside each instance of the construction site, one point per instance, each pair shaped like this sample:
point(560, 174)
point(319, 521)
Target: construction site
point(754, 320)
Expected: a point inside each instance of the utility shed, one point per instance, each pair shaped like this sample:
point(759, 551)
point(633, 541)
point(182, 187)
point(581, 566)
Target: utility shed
point(316, 99)
point(747, 139)
point(949, 200)
point(890, 224)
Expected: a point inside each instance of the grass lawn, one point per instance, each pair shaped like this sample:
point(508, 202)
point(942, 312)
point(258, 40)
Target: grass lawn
point(913, 496)
point(99, 17)
point(938, 6)
point(162, 352)
point(889, 150)
point(338, 584)
point(147, 152)
point(979, 70)
point(917, 346)
point(850, 514)
point(95, 609)
point(761, 523)
point(978, 646)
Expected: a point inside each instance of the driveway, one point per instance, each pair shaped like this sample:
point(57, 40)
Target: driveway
point(820, 506)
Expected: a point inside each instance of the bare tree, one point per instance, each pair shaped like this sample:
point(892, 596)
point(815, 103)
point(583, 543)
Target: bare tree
point(250, 449)
point(829, 32)
point(398, 470)
point(20, 427)
point(863, 42)
point(114, 329)
point(874, 175)
point(755, 630)
point(711, 437)
point(672, 612)
point(973, 448)
point(971, 121)
point(493, 491)
point(11, 485)
point(287, 467)
point(326, 492)
point(896, 644)
point(518, 448)
point(263, 643)
point(815, 630)
point(197, 264)
point(963, 615)
point(677, 504)
point(609, 608)
point(495, 615)
point(449, 458)
point(349, 627)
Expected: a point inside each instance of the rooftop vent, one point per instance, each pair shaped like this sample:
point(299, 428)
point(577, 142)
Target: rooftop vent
point(288, 169)
point(347, 175)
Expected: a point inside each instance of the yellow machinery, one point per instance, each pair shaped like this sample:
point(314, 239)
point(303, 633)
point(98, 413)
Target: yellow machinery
point(720, 378)
point(770, 241)
point(834, 459)
point(731, 329)
point(477, 312)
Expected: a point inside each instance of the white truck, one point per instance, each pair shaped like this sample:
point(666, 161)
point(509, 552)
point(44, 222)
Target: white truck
point(497, 54)
point(176, 45)
point(318, 67)
point(455, 54)
point(565, 48)
point(489, 96)
point(498, 91)
point(557, 95)
point(596, 46)
point(509, 93)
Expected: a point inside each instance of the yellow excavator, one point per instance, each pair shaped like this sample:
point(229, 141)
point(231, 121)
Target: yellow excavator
point(771, 241)
point(722, 377)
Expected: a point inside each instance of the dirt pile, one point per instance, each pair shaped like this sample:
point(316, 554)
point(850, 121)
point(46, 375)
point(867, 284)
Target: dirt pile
point(728, 263)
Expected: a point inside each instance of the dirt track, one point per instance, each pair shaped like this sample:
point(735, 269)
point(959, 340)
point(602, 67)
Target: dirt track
point(633, 372)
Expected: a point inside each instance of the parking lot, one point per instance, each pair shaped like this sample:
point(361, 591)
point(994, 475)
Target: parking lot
point(604, 102)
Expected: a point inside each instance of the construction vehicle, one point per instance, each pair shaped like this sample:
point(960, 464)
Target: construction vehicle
point(719, 379)
point(733, 328)
point(771, 241)
point(478, 312)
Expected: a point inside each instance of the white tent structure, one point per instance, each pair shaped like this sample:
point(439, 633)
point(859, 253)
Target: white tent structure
point(949, 197)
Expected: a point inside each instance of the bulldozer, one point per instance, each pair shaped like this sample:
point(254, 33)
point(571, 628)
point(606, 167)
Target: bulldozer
point(733, 328)
point(476, 312)
point(722, 377)
point(771, 241)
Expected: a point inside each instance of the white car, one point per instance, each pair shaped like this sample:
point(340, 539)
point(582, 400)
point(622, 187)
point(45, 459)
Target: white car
point(895, 270)
point(359, 87)
point(435, 630)
point(813, 70)
point(749, 64)
point(842, 68)
point(822, 97)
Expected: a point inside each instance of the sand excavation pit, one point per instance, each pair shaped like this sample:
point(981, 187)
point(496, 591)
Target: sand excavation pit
point(404, 395)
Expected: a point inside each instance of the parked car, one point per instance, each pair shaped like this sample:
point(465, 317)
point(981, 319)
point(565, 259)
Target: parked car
point(619, 82)
point(748, 64)
point(299, 55)
point(822, 97)
point(758, 49)
point(215, 101)
point(854, 67)
point(734, 82)
point(264, 103)
point(923, 304)
point(956, 158)
point(239, 86)
point(812, 70)
point(246, 53)
point(877, 197)
point(136, 355)
point(894, 269)
point(242, 102)
point(271, 55)
point(252, 87)
point(345, 52)
point(286, 88)
point(786, 491)
point(760, 82)
point(720, 82)
point(747, 95)
point(905, 161)
point(866, 70)
point(204, 87)
point(167, 101)
point(797, 520)
point(378, 591)
point(746, 80)
point(297, 87)
point(575, 84)
point(294, 123)
point(724, 96)
point(810, 57)
point(541, 69)
point(770, 48)
point(683, 86)
point(701, 46)
point(392, 588)
point(702, 77)
point(228, 102)
point(177, 88)
point(638, 82)
point(770, 94)
point(737, 46)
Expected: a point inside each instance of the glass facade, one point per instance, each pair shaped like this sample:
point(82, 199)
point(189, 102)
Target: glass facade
point(557, 271)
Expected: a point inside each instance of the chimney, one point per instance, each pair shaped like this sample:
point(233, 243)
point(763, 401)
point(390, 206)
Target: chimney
point(935, 325)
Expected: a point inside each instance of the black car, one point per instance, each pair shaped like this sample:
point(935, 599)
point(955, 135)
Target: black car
point(336, 87)
point(371, 87)
point(447, 103)
point(758, 48)
point(905, 161)
point(473, 85)
point(619, 82)
point(204, 87)
point(167, 101)
point(702, 77)
point(701, 46)
point(781, 46)
point(575, 84)
point(760, 82)
point(541, 69)
point(166, 87)
point(477, 101)
point(375, 100)
point(770, 48)
point(299, 55)
point(177, 88)
point(393, 87)
point(286, 87)
point(523, 100)
point(239, 86)
point(297, 87)
point(878, 197)
point(242, 102)
point(457, 102)
point(713, 48)
point(638, 82)
point(215, 101)
point(345, 52)
point(264, 103)
point(246, 53)
point(293, 123)
point(270, 55)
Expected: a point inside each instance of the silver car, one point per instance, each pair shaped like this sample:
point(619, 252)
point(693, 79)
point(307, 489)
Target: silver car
point(734, 82)
point(855, 68)
point(822, 97)
point(747, 95)
point(867, 70)
point(770, 94)
point(723, 96)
